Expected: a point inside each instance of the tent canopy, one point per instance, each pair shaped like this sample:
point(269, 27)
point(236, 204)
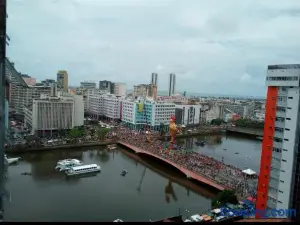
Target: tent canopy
point(249, 172)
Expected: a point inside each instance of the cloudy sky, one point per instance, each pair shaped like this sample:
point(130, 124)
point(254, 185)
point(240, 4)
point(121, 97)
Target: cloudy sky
point(213, 46)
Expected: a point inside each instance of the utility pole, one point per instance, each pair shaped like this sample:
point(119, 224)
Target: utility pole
point(3, 16)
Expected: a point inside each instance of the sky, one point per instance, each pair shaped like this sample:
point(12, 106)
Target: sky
point(215, 46)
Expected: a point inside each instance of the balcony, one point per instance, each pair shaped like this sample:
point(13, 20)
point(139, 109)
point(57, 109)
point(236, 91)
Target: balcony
point(277, 144)
point(281, 103)
point(271, 204)
point(275, 174)
point(278, 134)
point(282, 93)
point(279, 124)
point(280, 114)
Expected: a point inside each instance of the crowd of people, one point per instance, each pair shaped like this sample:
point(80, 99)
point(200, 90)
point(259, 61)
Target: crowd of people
point(219, 172)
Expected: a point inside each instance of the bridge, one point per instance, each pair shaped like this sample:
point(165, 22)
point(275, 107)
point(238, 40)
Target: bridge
point(248, 131)
point(188, 173)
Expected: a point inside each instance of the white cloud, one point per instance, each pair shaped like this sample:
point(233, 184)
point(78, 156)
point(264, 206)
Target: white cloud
point(213, 46)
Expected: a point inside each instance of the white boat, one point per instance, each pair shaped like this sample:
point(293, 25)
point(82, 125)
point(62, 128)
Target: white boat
point(11, 160)
point(75, 170)
point(118, 221)
point(66, 164)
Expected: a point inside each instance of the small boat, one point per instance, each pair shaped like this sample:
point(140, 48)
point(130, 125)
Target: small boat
point(11, 160)
point(66, 164)
point(124, 172)
point(118, 221)
point(200, 143)
point(112, 147)
point(25, 173)
point(84, 169)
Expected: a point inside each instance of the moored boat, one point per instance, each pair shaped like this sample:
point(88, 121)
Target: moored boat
point(66, 164)
point(84, 169)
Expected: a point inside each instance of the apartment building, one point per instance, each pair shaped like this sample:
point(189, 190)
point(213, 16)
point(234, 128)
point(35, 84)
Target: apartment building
point(187, 114)
point(48, 115)
point(145, 91)
point(62, 80)
point(278, 186)
point(88, 85)
point(104, 105)
point(243, 110)
point(172, 84)
point(138, 113)
point(23, 95)
point(119, 89)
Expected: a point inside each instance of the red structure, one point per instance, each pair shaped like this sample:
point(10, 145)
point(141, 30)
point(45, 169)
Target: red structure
point(188, 173)
point(267, 148)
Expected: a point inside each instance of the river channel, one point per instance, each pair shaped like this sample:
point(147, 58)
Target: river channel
point(150, 190)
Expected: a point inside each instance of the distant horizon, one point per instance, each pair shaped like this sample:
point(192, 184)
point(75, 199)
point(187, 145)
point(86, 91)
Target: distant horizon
point(207, 94)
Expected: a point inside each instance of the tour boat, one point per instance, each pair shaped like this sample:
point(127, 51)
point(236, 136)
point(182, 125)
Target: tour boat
point(76, 170)
point(66, 164)
point(118, 221)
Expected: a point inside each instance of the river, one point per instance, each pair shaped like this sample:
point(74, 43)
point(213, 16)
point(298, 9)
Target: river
point(149, 191)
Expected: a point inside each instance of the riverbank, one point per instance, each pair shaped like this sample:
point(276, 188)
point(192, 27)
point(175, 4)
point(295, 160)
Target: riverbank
point(59, 147)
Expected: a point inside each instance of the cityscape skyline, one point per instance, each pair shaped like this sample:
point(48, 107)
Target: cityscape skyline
point(205, 51)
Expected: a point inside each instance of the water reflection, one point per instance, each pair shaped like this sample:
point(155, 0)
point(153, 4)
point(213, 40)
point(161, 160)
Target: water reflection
point(170, 193)
point(142, 178)
point(141, 193)
point(103, 155)
point(238, 150)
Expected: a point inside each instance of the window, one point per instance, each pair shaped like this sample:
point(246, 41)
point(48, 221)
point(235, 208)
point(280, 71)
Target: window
point(282, 171)
point(288, 118)
point(283, 160)
point(279, 202)
point(287, 129)
point(281, 191)
point(286, 139)
point(285, 150)
point(289, 108)
point(290, 97)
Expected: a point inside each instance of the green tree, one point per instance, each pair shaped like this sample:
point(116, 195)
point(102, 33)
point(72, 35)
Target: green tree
point(217, 122)
point(226, 196)
point(101, 132)
point(247, 123)
point(75, 133)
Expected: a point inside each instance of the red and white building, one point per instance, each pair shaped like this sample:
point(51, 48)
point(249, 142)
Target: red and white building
point(279, 177)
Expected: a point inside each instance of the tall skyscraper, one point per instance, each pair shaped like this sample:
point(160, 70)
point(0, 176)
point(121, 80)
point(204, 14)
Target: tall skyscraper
point(279, 177)
point(154, 79)
point(172, 83)
point(62, 80)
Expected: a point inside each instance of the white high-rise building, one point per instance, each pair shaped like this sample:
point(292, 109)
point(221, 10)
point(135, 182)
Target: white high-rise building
point(22, 96)
point(279, 180)
point(88, 85)
point(51, 114)
point(154, 79)
point(119, 89)
point(141, 112)
point(172, 84)
point(106, 105)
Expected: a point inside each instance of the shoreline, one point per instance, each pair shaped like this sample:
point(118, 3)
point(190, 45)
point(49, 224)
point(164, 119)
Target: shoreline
point(59, 147)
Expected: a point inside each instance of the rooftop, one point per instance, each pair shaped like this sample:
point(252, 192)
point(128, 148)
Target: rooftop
point(284, 66)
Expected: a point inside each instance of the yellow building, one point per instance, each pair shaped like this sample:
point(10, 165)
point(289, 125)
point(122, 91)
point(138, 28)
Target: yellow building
point(62, 80)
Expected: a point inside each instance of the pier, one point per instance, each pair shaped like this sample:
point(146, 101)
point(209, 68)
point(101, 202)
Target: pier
point(188, 173)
